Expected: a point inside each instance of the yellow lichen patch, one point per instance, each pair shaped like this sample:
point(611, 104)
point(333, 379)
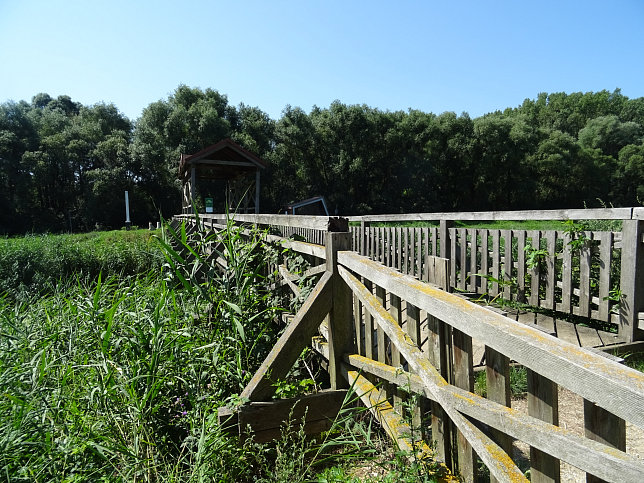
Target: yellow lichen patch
point(505, 463)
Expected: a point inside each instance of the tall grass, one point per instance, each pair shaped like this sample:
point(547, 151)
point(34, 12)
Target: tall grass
point(38, 263)
point(119, 378)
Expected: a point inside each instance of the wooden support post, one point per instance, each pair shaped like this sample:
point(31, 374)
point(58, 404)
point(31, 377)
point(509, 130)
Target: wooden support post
point(444, 240)
point(395, 309)
point(631, 281)
point(368, 326)
point(543, 404)
point(497, 374)
point(438, 357)
point(603, 426)
point(340, 317)
point(413, 329)
point(464, 378)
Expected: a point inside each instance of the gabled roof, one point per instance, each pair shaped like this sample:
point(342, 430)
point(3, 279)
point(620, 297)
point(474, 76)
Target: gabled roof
point(222, 159)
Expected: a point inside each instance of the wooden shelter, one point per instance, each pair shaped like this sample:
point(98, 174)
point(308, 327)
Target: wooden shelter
point(227, 161)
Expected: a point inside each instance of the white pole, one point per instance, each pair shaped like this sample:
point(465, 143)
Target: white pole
point(127, 210)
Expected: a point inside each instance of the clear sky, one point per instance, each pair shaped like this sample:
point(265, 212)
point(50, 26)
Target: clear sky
point(475, 56)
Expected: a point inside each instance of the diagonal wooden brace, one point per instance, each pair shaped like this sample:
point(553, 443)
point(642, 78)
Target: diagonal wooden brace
point(293, 341)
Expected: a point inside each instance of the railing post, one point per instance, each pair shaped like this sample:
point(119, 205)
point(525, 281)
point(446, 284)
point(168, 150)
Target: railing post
point(340, 316)
point(363, 240)
point(631, 280)
point(445, 243)
point(543, 404)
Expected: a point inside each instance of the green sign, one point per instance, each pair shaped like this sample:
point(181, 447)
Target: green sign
point(208, 205)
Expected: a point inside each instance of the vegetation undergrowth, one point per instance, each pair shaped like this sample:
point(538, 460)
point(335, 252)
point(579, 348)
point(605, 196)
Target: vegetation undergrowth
point(119, 377)
point(36, 264)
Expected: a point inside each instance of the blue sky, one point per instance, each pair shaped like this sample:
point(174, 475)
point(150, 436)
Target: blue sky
point(436, 56)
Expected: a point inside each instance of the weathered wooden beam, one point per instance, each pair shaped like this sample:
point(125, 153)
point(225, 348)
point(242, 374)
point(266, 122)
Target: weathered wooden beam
point(543, 404)
point(324, 223)
point(267, 420)
point(290, 345)
point(579, 214)
point(562, 443)
point(499, 463)
point(631, 280)
point(289, 279)
point(623, 387)
point(391, 421)
point(341, 314)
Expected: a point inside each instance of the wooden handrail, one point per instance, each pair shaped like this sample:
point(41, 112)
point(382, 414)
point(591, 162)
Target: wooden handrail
point(623, 387)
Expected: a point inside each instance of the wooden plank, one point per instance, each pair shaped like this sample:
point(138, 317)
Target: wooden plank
point(438, 349)
point(381, 296)
point(497, 374)
point(462, 235)
point(485, 270)
point(435, 242)
point(566, 275)
point(585, 260)
point(326, 223)
point(413, 329)
point(603, 426)
point(288, 277)
point(496, 263)
point(507, 264)
point(267, 419)
point(395, 309)
point(405, 249)
point(474, 248)
point(521, 272)
point(368, 327)
point(631, 280)
point(535, 272)
point(395, 426)
point(418, 252)
point(399, 248)
point(605, 260)
point(426, 250)
point(292, 342)
point(573, 214)
point(623, 387)
point(562, 443)
point(464, 378)
point(359, 325)
point(543, 405)
point(445, 241)
point(379, 244)
point(549, 301)
point(341, 314)
point(452, 257)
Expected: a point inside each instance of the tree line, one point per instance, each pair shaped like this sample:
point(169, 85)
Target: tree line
point(64, 166)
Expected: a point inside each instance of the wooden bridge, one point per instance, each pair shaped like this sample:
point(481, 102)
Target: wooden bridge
point(384, 315)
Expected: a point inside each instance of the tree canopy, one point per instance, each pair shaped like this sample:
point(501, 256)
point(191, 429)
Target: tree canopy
point(64, 166)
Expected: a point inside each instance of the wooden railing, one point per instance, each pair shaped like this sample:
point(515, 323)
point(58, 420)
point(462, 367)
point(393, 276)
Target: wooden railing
point(389, 334)
point(594, 277)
